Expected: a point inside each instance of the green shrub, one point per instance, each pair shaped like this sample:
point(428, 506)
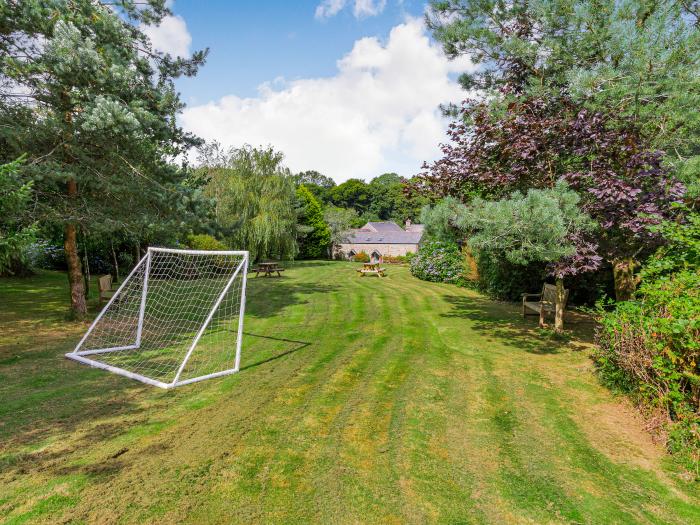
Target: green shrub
point(395, 259)
point(438, 261)
point(650, 347)
point(361, 257)
point(203, 241)
point(504, 280)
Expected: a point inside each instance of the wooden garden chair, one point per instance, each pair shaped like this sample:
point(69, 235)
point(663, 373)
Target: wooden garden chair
point(545, 302)
point(104, 285)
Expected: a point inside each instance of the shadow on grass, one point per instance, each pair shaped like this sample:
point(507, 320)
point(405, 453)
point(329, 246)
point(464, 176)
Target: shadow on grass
point(504, 322)
point(297, 345)
point(267, 297)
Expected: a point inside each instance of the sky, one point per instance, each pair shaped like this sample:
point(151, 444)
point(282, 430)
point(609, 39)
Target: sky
point(350, 88)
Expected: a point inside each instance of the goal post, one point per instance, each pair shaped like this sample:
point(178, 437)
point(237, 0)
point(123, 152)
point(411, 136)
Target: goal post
point(176, 319)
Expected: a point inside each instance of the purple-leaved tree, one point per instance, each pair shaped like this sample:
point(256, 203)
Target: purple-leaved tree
point(533, 142)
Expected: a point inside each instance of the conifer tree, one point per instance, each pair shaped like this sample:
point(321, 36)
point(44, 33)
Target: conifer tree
point(315, 235)
point(93, 105)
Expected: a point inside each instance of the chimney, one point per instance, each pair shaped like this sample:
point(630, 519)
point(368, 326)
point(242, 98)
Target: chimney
point(408, 223)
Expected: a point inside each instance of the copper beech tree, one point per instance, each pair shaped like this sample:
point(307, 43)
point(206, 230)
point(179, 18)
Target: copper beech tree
point(534, 141)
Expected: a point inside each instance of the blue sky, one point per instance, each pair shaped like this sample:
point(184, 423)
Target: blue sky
point(252, 42)
point(350, 88)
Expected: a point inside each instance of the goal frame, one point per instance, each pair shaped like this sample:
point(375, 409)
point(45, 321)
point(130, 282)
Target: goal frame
point(80, 355)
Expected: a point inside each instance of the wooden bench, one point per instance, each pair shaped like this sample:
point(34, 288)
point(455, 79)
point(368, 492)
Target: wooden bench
point(545, 303)
point(104, 285)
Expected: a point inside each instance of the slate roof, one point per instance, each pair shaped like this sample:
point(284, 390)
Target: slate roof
point(382, 227)
point(383, 233)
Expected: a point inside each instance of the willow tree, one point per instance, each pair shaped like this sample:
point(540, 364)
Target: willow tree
point(255, 199)
point(93, 105)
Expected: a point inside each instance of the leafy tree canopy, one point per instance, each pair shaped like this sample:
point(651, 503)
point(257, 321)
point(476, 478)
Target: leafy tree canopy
point(538, 226)
point(339, 221)
point(315, 240)
point(94, 106)
point(445, 220)
point(16, 230)
point(313, 177)
point(255, 199)
point(636, 58)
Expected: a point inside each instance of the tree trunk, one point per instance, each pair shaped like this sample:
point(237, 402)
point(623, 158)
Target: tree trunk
point(86, 268)
point(116, 262)
point(559, 307)
point(75, 274)
point(625, 281)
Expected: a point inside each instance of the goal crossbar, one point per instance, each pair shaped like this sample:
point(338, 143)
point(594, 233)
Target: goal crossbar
point(80, 354)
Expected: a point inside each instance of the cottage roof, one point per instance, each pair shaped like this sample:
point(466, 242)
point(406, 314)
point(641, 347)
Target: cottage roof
point(381, 227)
point(384, 233)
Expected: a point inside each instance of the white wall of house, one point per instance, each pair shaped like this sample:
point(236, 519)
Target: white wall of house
point(382, 249)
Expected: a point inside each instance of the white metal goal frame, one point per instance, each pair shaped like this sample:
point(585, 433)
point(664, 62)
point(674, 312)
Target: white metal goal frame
point(82, 356)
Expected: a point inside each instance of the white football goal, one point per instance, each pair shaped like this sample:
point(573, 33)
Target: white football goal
point(176, 319)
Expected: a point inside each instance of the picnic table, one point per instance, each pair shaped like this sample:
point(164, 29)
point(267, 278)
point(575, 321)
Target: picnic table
point(268, 269)
point(371, 269)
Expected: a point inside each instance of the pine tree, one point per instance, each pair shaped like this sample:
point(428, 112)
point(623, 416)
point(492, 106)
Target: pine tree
point(93, 105)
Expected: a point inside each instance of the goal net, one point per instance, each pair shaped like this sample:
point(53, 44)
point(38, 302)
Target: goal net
point(176, 319)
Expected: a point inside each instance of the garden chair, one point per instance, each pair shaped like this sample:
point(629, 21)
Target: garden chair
point(545, 303)
point(104, 285)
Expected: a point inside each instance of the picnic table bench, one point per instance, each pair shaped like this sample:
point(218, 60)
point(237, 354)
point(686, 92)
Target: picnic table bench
point(371, 269)
point(268, 269)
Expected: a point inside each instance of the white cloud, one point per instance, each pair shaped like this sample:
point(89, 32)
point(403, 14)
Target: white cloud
point(329, 8)
point(368, 8)
point(378, 113)
point(170, 36)
point(361, 8)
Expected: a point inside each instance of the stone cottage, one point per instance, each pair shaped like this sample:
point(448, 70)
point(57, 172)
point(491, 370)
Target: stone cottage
point(378, 239)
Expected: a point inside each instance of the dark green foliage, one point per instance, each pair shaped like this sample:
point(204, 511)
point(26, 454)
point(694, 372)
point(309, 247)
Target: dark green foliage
point(650, 347)
point(94, 107)
point(16, 231)
point(438, 261)
point(637, 59)
point(504, 280)
point(352, 193)
point(443, 221)
point(382, 199)
point(314, 235)
point(318, 184)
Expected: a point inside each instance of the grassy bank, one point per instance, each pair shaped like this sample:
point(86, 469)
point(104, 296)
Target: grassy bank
point(360, 400)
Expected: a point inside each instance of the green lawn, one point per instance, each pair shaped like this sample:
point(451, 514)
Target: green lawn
point(361, 400)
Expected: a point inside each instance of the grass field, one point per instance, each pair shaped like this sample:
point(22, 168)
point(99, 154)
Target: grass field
point(361, 400)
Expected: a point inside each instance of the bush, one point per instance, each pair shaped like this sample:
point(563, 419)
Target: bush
point(650, 347)
point(361, 257)
point(44, 254)
point(506, 281)
point(395, 259)
point(438, 261)
point(203, 241)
